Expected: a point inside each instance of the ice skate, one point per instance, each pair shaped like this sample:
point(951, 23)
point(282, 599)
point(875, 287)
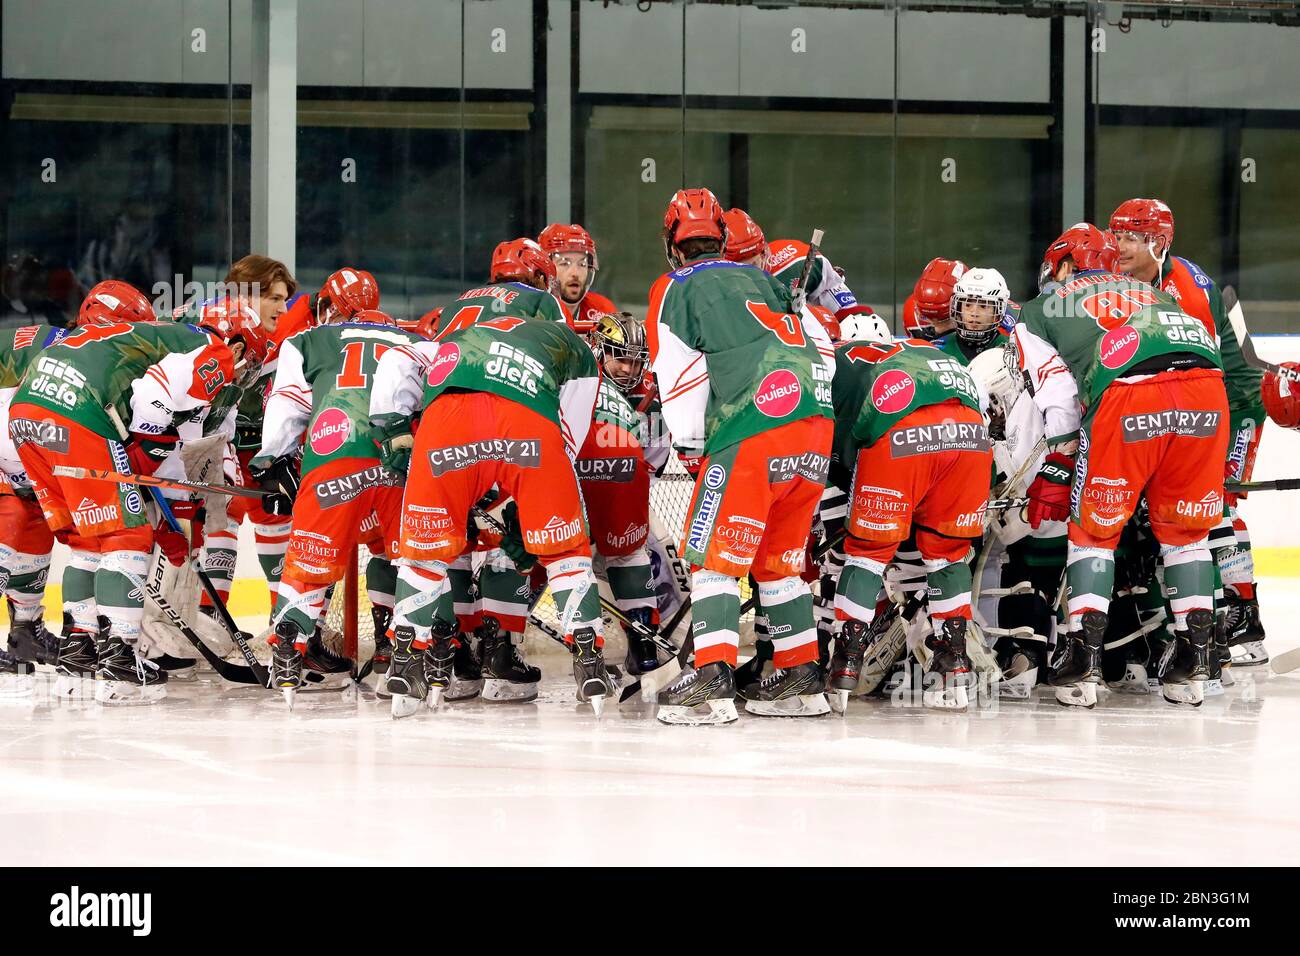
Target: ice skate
point(17, 677)
point(589, 671)
point(702, 695)
point(642, 653)
point(75, 664)
point(123, 676)
point(846, 664)
point(798, 691)
point(506, 676)
point(1185, 667)
point(286, 662)
point(319, 658)
point(31, 641)
point(1245, 632)
point(948, 673)
point(467, 672)
point(748, 674)
point(407, 685)
point(1019, 676)
point(382, 617)
point(1078, 673)
point(1134, 680)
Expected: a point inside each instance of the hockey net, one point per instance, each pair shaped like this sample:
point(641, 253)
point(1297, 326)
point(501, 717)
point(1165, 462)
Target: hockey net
point(349, 627)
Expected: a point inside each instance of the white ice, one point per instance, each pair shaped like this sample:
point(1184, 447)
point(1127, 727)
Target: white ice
point(219, 775)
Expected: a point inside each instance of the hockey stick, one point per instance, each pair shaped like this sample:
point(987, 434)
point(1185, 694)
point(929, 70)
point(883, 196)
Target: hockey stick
point(223, 614)
point(1273, 484)
point(814, 250)
point(1286, 662)
point(148, 481)
point(235, 673)
point(1238, 320)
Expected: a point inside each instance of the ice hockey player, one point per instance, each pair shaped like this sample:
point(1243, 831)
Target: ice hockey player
point(909, 419)
point(931, 299)
point(746, 397)
point(1282, 398)
point(574, 253)
point(1144, 230)
point(107, 398)
point(784, 259)
point(321, 393)
point(1150, 379)
point(507, 402)
point(615, 481)
point(26, 543)
point(980, 303)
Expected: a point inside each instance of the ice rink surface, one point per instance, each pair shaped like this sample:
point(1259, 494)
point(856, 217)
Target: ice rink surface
point(222, 775)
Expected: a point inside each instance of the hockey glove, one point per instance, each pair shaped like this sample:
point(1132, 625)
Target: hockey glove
point(1049, 495)
point(690, 462)
point(394, 438)
point(147, 452)
point(512, 542)
point(173, 544)
point(279, 482)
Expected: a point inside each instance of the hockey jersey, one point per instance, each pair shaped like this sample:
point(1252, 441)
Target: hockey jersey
point(497, 301)
point(876, 386)
point(826, 287)
point(147, 372)
point(322, 386)
point(19, 348)
point(730, 358)
point(537, 361)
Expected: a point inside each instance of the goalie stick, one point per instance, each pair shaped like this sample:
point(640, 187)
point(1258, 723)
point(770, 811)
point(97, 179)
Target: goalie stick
point(235, 673)
point(1238, 319)
point(1286, 662)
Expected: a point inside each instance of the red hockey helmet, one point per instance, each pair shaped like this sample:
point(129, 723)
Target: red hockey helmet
point(932, 294)
point(744, 238)
point(374, 317)
point(1281, 398)
point(559, 238)
point(522, 260)
point(1086, 246)
point(692, 214)
point(427, 324)
point(827, 319)
point(1146, 217)
point(345, 293)
point(114, 301)
point(235, 322)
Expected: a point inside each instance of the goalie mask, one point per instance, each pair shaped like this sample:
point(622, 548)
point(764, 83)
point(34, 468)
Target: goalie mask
point(979, 304)
point(619, 343)
point(998, 373)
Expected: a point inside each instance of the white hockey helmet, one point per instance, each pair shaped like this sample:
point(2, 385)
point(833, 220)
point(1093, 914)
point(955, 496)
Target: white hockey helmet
point(987, 295)
point(865, 326)
point(998, 374)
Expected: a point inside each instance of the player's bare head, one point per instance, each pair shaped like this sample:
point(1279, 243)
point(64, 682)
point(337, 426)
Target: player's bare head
point(694, 225)
point(113, 301)
point(573, 251)
point(264, 283)
point(1081, 248)
point(620, 345)
point(932, 296)
point(746, 243)
point(979, 303)
point(522, 260)
point(1144, 233)
point(344, 294)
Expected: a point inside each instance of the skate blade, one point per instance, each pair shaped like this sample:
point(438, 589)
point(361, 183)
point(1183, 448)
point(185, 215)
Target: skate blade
point(435, 698)
point(335, 681)
point(381, 689)
point(1252, 654)
point(499, 691)
point(949, 698)
point(403, 706)
point(123, 692)
point(1020, 687)
point(289, 694)
point(462, 689)
point(17, 686)
point(1134, 681)
point(1225, 676)
point(839, 701)
point(67, 687)
point(1190, 694)
point(711, 713)
point(1077, 695)
point(597, 702)
point(800, 705)
point(1212, 688)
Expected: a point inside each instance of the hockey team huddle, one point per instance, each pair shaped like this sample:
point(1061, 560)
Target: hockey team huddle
point(1011, 495)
